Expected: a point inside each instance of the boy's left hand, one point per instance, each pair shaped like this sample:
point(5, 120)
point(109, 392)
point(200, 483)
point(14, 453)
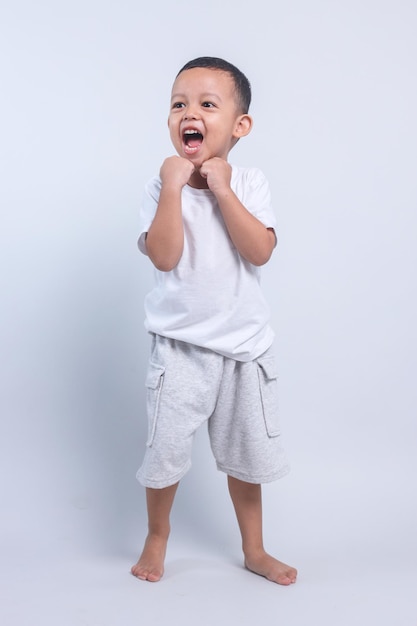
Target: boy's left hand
point(218, 174)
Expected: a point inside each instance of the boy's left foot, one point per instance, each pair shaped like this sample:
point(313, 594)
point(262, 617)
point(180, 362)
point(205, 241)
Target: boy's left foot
point(150, 565)
point(265, 565)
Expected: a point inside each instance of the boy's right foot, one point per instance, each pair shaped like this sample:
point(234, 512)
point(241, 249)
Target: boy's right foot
point(150, 565)
point(264, 564)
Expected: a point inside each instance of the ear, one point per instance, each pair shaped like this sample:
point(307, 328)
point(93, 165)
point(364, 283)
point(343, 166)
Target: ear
point(243, 126)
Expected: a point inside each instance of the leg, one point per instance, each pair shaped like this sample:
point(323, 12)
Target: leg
point(247, 501)
point(150, 565)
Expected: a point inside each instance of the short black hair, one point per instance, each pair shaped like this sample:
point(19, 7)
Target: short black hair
point(242, 85)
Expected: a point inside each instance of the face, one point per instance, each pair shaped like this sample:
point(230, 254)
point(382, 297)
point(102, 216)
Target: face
point(204, 120)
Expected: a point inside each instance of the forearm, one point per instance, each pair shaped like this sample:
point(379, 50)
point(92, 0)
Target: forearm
point(252, 239)
point(165, 238)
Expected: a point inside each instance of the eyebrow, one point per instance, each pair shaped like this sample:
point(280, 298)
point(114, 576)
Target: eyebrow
point(204, 96)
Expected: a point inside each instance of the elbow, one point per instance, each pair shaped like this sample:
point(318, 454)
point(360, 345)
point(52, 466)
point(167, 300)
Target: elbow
point(257, 257)
point(164, 260)
point(264, 252)
point(165, 253)
point(164, 263)
point(261, 259)
point(262, 255)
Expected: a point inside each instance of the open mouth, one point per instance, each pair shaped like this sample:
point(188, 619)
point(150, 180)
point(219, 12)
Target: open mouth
point(192, 140)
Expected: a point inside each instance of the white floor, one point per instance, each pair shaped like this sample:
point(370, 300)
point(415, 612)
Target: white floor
point(356, 556)
point(204, 590)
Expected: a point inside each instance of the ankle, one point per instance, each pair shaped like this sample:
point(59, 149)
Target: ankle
point(158, 533)
point(253, 551)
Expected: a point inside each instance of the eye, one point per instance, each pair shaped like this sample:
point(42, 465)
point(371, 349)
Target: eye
point(178, 105)
point(208, 105)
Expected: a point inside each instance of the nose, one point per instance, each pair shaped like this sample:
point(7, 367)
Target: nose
point(190, 114)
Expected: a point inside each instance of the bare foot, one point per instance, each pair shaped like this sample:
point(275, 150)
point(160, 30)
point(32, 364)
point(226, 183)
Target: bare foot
point(272, 569)
point(150, 565)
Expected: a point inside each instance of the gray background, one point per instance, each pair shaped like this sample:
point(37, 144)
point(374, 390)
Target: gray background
point(84, 100)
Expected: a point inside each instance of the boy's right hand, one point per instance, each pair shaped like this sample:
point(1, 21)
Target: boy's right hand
point(176, 171)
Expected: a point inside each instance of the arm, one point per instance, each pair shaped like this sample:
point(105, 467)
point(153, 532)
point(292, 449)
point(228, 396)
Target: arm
point(252, 239)
point(165, 237)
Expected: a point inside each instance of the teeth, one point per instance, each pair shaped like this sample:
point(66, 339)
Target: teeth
point(191, 132)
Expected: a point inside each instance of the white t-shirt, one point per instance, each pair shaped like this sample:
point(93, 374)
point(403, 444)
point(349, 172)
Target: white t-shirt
point(212, 298)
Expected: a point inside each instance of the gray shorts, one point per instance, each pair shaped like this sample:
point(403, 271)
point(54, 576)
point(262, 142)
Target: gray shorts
point(188, 386)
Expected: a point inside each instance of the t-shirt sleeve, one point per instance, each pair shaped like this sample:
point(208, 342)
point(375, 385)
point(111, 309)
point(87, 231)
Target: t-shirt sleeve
point(149, 204)
point(257, 198)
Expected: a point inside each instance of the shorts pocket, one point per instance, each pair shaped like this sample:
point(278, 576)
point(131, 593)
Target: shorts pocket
point(154, 382)
point(268, 385)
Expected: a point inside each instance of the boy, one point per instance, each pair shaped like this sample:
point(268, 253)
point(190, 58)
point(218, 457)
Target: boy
point(207, 227)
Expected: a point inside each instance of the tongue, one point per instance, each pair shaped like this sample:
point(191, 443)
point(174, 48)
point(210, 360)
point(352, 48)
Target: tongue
point(194, 143)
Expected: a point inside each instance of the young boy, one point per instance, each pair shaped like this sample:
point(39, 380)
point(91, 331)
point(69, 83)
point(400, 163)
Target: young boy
point(207, 227)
